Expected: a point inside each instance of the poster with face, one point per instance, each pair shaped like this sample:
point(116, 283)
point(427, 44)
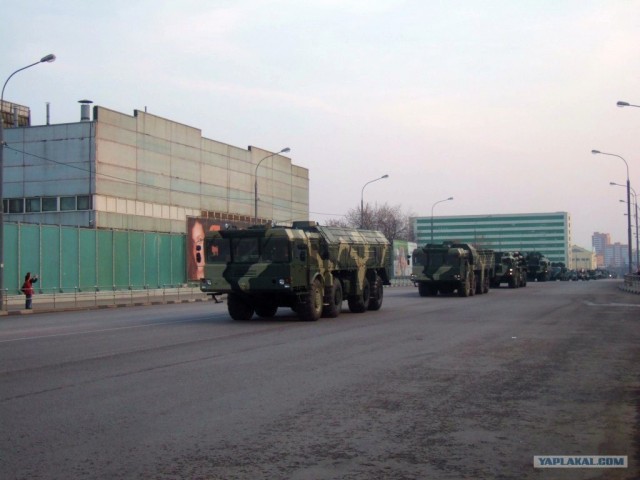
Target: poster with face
point(197, 228)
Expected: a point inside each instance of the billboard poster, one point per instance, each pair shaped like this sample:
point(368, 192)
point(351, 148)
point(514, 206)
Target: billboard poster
point(402, 251)
point(197, 227)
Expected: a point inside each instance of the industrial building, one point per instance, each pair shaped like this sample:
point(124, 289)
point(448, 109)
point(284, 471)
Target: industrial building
point(549, 233)
point(137, 173)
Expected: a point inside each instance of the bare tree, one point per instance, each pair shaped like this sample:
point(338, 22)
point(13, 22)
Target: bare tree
point(390, 220)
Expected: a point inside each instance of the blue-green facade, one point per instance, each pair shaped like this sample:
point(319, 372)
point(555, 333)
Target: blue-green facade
point(69, 259)
point(549, 233)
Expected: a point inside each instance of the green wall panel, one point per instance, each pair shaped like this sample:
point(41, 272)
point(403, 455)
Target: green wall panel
point(68, 258)
point(179, 259)
point(151, 260)
point(49, 272)
point(30, 248)
point(164, 265)
point(87, 263)
point(121, 259)
point(69, 272)
point(12, 278)
point(136, 249)
point(104, 257)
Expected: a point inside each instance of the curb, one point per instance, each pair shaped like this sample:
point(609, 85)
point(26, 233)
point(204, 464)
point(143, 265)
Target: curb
point(99, 307)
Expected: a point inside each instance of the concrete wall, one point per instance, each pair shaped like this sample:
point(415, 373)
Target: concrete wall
point(170, 171)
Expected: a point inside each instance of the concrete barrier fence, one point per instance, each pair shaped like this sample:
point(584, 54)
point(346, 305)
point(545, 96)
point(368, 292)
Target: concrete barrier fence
point(47, 300)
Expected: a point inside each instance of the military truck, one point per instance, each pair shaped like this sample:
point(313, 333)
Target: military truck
point(538, 267)
point(510, 268)
point(448, 267)
point(306, 267)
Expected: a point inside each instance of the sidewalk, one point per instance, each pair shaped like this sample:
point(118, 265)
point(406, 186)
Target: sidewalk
point(57, 302)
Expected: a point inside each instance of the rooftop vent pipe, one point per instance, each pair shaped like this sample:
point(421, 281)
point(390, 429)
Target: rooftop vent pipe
point(85, 110)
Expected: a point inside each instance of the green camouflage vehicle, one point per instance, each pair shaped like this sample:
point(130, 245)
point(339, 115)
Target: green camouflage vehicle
point(511, 268)
point(307, 267)
point(449, 267)
point(538, 267)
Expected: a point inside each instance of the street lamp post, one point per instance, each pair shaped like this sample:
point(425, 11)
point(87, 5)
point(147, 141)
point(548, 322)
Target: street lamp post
point(635, 195)
point(255, 182)
point(362, 198)
point(626, 104)
point(48, 59)
point(432, 207)
point(598, 152)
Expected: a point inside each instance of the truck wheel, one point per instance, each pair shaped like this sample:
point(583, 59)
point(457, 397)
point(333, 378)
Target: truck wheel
point(311, 310)
point(238, 308)
point(360, 303)
point(513, 283)
point(335, 301)
point(266, 310)
point(465, 288)
point(424, 290)
point(479, 286)
point(485, 286)
point(375, 302)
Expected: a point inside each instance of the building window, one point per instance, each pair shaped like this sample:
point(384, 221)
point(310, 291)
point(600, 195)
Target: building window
point(16, 205)
point(33, 205)
point(49, 204)
point(67, 203)
point(5, 202)
point(84, 202)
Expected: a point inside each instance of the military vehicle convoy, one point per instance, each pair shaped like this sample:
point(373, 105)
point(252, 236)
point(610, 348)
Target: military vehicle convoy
point(306, 267)
point(448, 267)
point(538, 267)
point(510, 268)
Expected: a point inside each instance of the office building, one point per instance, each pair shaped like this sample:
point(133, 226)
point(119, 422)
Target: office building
point(548, 233)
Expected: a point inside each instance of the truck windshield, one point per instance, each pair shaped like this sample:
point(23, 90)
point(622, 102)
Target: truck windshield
point(217, 250)
point(275, 249)
point(245, 250)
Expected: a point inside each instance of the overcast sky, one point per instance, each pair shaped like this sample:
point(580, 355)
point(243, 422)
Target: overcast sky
point(496, 103)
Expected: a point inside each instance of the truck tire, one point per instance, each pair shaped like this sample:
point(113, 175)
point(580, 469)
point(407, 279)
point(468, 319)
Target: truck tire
point(466, 288)
point(311, 310)
point(360, 303)
point(238, 308)
point(266, 310)
point(333, 309)
point(375, 302)
point(485, 284)
point(479, 286)
point(513, 283)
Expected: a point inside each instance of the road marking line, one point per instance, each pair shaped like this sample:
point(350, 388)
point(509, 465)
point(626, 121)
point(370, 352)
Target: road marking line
point(591, 304)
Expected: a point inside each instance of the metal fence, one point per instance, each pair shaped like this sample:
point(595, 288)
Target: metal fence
point(75, 259)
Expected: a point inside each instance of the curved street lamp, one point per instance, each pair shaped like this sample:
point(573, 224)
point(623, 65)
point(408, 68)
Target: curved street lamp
point(46, 59)
point(635, 195)
point(598, 152)
point(362, 198)
point(432, 207)
point(626, 104)
point(255, 182)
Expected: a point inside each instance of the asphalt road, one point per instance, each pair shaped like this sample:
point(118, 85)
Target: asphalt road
point(437, 388)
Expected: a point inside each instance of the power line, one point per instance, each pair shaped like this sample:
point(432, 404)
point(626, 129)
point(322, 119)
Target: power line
point(139, 184)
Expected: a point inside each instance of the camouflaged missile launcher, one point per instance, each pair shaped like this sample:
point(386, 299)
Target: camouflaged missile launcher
point(510, 268)
point(448, 267)
point(308, 268)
